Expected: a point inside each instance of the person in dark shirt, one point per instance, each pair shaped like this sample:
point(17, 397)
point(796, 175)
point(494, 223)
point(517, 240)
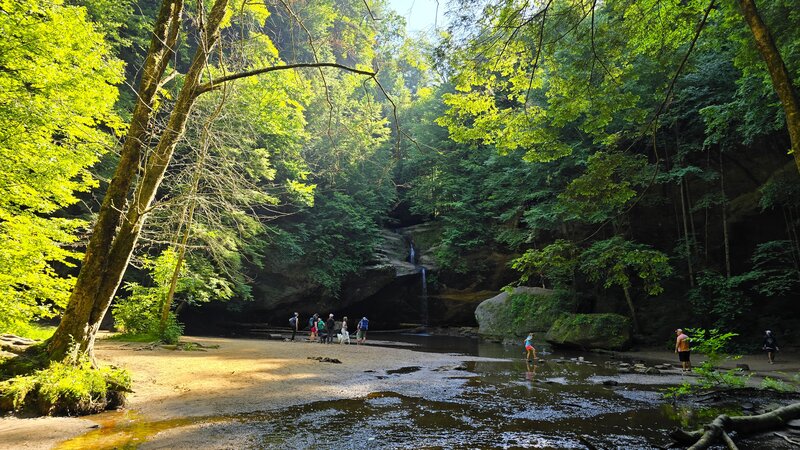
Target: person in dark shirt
point(770, 346)
point(329, 325)
point(294, 322)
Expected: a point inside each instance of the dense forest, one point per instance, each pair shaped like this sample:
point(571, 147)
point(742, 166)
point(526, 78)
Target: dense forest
point(179, 162)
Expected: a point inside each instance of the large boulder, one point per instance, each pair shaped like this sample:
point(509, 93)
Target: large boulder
point(524, 310)
point(606, 331)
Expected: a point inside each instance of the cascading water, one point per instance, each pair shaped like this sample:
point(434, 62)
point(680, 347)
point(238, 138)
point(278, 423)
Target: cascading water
point(423, 298)
point(423, 307)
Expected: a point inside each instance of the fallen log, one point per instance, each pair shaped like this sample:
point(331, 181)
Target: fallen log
point(719, 428)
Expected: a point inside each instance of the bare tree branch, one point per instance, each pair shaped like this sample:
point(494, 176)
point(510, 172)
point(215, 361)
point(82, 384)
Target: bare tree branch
point(215, 84)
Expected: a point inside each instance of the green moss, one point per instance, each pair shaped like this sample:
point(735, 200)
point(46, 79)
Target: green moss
point(524, 310)
point(64, 388)
point(532, 312)
point(608, 331)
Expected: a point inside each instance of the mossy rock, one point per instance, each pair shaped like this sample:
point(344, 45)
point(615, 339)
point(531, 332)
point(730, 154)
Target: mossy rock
point(65, 389)
point(606, 331)
point(526, 309)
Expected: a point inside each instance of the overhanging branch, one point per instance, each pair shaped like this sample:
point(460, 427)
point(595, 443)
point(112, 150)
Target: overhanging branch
point(214, 84)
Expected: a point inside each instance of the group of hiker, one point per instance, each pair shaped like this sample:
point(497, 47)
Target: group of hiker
point(325, 331)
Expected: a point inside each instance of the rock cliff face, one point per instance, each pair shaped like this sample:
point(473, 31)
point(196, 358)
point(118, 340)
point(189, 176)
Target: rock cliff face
point(388, 289)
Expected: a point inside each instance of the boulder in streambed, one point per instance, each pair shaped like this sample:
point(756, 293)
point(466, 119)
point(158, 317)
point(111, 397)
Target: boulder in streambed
point(607, 331)
point(523, 310)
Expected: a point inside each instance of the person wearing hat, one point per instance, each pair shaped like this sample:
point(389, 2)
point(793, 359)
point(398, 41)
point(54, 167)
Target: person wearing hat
point(682, 349)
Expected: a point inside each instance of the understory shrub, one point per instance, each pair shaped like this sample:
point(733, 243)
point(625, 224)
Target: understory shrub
point(66, 388)
point(713, 344)
point(776, 385)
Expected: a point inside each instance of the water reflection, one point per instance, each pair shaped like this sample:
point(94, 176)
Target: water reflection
point(555, 402)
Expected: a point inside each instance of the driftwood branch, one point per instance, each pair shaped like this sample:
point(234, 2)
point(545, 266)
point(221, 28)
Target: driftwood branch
point(718, 430)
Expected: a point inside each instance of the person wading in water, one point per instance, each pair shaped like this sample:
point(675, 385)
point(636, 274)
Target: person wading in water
point(682, 349)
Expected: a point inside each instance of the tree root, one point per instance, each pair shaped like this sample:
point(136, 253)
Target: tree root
point(717, 431)
point(787, 438)
point(15, 344)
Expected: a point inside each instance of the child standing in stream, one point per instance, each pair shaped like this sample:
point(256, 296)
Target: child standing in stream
point(531, 351)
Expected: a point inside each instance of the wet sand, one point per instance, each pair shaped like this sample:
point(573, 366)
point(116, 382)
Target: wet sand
point(251, 375)
point(241, 376)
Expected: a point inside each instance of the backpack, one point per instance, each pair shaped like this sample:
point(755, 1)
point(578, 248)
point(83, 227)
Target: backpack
point(293, 321)
point(364, 324)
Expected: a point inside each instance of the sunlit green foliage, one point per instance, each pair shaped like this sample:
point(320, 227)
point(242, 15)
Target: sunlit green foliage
point(777, 385)
point(56, 96)
point(713, 344)
point(139, 312)
point(66, 388)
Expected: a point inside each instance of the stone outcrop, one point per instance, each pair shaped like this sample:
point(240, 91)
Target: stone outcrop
point(606, 331)
point(524, 310)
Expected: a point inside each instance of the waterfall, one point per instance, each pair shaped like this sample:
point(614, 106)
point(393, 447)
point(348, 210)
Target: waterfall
point(424, 300)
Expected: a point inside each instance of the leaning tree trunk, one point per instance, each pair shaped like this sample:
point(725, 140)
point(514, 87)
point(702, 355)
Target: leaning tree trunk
point(687, 242)
point(726, 240)
point(632, 309)
point(110, 249)
point(781, 79)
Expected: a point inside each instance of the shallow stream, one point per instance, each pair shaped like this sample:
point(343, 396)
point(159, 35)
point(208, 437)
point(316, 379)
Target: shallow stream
point(509, 404)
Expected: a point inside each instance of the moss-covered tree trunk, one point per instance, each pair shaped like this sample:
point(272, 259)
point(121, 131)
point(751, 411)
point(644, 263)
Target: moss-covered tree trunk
point(781, 79)
point(114, 236)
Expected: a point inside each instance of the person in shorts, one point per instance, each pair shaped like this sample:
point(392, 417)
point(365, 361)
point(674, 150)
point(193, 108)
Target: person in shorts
point(682, 349)
point(530, 350)
point(361, 330)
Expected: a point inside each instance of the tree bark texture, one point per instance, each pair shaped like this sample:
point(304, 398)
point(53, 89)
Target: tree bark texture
point(114, 236)
point(781, 79)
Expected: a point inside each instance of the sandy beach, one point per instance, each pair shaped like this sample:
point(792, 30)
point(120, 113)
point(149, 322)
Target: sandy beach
point(240, 376)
